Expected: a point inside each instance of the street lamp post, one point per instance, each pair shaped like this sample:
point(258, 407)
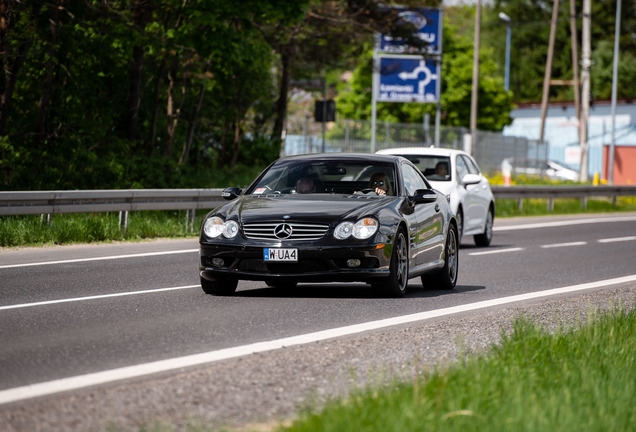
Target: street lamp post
point(506, 19)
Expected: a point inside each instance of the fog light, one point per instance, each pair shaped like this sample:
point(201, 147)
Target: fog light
point(218, 262)
point(353, 263)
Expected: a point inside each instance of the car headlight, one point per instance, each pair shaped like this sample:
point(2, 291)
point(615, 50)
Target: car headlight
point(343, 231)
point(231, 229)
point(365, 228)
point(215, 226)
point(362, 229)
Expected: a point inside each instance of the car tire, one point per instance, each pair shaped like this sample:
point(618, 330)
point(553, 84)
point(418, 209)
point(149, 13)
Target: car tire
point(485, 238)
point(219, 287)
point(446, 279)
point(395, 285)
point(460, 224)
point(282, 285)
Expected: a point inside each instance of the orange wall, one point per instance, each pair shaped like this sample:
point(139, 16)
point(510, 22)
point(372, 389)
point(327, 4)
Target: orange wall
point(624, 164)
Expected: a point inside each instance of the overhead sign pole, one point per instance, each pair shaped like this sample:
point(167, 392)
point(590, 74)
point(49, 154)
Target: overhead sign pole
point(375, 83)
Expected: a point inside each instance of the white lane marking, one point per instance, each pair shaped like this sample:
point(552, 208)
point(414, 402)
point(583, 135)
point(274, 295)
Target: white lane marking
point(77, 382)
point(565, 223)
point(49, 302)
point(496, 251)
point(101, 258)
point(617, 239)
point(579, 243)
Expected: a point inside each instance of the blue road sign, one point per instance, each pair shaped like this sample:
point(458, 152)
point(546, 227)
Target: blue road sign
point(429, 28)
point(408, 79)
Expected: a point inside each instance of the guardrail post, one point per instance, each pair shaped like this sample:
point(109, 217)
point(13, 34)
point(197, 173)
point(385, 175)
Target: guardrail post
point(123, 220)
point(584, 202)
point(614, 200)
point(550, 204)
point(48, 220)
point(190, 215)
point(520, 203)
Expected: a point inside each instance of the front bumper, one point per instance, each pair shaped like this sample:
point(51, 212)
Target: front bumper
point(315, 263)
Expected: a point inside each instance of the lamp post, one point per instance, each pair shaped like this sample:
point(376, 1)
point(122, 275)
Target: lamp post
point(506, 19)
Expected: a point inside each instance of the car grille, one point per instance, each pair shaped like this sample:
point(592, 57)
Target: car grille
point(267, 231)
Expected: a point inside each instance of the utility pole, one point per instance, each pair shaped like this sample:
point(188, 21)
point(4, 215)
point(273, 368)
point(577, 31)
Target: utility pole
point(548, 68)
point(575, 60)
point(475, 93)
point(585, 85)
point(614, 88)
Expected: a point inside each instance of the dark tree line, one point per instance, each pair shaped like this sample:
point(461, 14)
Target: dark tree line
point(160, 93)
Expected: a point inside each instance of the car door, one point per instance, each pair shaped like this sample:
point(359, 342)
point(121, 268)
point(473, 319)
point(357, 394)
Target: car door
point(473, 217)
point(427, 237)
point(480, 193)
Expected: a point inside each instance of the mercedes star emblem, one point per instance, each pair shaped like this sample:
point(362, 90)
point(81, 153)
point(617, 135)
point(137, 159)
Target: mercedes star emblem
point(283, 231)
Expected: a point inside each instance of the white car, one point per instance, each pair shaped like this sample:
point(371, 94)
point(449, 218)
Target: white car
point(471, 199)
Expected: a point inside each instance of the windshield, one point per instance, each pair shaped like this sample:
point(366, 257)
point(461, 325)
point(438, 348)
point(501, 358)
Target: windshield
point(332, 177)
point(434, 168)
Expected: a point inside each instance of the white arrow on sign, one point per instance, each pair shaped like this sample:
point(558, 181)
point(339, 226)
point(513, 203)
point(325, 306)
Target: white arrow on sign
point(413, 75)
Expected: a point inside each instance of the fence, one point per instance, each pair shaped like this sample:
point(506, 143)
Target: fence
point(354, 136)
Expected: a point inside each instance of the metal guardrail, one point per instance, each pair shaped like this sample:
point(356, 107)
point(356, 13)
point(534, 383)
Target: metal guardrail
point(554, 192)
point(98, 201)
point(89, 201)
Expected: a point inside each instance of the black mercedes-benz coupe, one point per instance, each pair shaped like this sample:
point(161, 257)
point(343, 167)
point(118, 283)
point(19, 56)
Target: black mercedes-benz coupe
point(331, 217)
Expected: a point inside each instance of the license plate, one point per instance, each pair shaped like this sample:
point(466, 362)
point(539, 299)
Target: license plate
point(278, 254)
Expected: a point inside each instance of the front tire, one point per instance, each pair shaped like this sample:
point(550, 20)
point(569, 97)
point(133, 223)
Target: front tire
point(395, 285)
point(219, 287)
point(447, 278)
point(485, 238)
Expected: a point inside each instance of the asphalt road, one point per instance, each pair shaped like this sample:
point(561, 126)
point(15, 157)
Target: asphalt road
point(73, 310)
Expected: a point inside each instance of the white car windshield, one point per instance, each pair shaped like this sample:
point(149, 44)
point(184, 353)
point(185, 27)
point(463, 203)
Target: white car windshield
point(434, 168)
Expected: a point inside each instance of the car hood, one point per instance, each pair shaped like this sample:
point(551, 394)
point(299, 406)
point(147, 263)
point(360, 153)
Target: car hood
point(312, 209)
point(444, 187)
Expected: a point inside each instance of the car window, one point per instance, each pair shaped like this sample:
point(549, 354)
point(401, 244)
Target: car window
point(303, 176)
point(434, 168)
point(471, 164)
point(412, 180)
point(462, 169)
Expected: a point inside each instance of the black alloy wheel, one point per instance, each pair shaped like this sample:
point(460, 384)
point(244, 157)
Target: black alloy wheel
point(219, 287)
point(395, 285)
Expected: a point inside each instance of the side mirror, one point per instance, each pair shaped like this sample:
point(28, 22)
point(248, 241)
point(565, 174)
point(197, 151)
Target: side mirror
point(470, 179)
point(424, 196)
point(231, 193)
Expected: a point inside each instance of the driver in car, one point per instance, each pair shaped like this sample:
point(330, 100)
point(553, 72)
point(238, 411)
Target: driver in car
point(305, 185)
point(379, 183)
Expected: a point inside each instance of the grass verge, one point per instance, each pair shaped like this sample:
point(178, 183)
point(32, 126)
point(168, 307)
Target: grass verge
point(572, 380)
point(94, 227)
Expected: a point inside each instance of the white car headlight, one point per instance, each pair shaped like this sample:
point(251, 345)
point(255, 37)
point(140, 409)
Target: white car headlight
point(365, 228)
point(343, 231)
point(231, 229)
point(362, 229)
point(213, 227)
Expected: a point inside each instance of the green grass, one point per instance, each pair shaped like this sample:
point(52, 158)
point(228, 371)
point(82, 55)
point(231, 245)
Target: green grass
point(539, 207)
point(581, 379)
point(93, 227)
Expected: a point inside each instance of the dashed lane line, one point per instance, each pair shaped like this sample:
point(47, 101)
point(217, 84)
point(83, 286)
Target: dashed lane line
point(556, 245)
point(112, 257)
point(77, 299)
point(496, 251)
point(617, 239)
